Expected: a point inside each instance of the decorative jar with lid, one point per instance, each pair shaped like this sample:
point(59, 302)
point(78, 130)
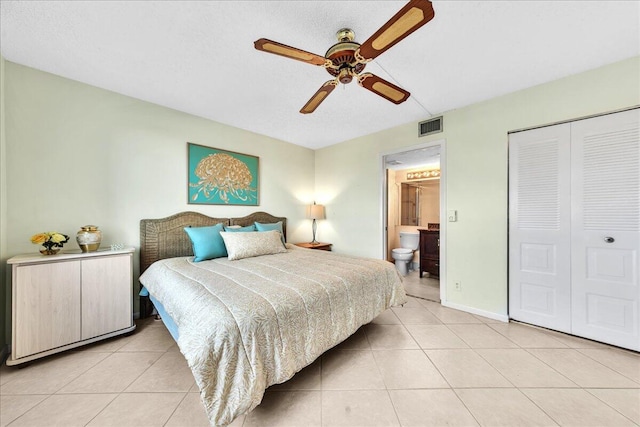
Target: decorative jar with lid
point(89, 238)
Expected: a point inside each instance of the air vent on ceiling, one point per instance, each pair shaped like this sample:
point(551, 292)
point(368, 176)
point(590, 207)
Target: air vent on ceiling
point(430, 126)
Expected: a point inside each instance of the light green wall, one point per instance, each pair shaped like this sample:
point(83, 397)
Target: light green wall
point(4, 279)
point(78, 155)
point(72, 154)
point(348, 175)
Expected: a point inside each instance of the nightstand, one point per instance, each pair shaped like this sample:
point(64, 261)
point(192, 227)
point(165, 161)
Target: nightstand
point(320, 246)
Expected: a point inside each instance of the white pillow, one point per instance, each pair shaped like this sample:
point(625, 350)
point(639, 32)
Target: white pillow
point(246, 245)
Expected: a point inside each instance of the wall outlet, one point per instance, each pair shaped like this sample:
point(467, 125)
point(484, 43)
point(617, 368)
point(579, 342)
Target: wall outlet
point(452, 215)
point(458, 286)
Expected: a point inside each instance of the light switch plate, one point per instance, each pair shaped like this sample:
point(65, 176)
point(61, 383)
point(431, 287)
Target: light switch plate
point(452, 215)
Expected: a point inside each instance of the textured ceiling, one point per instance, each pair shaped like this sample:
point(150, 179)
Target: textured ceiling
point(198, 57)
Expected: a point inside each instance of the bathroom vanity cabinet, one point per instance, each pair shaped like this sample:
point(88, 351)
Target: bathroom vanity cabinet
point(430, 253)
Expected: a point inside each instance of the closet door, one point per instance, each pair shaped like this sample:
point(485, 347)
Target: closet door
point(539, 227)
point(605, 164)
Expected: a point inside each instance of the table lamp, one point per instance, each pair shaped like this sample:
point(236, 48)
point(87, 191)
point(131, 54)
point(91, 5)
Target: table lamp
point(315, 212)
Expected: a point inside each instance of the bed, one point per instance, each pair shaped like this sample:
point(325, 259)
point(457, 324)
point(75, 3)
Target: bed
point(248, 323)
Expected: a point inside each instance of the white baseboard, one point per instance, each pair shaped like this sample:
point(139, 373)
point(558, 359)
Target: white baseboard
point(472, 310)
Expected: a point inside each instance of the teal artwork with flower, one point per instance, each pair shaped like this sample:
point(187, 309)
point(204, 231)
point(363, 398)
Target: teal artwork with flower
point(50, 240)
point(222, 177)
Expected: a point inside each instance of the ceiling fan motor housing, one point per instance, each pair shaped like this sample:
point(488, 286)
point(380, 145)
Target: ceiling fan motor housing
point(342, 55)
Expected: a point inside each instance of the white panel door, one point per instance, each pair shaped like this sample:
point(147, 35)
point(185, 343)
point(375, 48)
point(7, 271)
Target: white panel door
point(539, 227)
point(605, 248)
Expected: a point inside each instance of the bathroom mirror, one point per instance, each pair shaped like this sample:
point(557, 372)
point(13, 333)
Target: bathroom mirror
point(420, 202)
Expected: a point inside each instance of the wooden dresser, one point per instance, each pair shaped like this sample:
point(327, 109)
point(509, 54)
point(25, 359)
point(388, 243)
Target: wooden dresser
point(430, 253)
point(63, 301)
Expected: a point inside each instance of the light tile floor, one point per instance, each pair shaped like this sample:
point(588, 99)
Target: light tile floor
point(425, 287)
point(417, 365)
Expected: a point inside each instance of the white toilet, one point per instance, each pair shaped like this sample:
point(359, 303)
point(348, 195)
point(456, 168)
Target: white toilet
point(409, 242)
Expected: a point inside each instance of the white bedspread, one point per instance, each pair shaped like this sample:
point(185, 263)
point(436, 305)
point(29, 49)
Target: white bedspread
point(247, 324)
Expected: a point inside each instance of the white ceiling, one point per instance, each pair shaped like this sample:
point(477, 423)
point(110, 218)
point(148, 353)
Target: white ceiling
point(198, 56)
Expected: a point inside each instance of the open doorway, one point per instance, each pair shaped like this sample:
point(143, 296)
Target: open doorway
point(413, 199)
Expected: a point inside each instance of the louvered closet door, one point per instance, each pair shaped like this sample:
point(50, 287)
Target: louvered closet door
point(539, 227)
point(605, 164)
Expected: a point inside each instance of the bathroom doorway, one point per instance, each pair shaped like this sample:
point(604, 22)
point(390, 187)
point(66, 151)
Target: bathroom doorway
point(413, 199)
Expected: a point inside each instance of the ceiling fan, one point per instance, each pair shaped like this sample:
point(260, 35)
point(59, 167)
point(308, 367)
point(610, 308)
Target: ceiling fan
point(346, 59)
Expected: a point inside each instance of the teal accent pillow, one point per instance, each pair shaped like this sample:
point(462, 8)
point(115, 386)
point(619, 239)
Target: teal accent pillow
point(268, 227)
point(240, 229)
point(207, 242)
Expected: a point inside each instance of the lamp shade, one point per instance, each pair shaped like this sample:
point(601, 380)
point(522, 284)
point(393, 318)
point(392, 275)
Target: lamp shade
point(315, 212)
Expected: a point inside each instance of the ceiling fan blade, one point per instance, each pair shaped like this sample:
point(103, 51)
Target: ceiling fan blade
point(270, 46)
point(412, 16)
point(383, 88)
point(319, 96)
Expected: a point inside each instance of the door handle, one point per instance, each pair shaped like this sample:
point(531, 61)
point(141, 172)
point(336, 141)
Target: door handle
point(609, 239)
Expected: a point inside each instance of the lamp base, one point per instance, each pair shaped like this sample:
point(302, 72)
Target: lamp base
point(314, 227)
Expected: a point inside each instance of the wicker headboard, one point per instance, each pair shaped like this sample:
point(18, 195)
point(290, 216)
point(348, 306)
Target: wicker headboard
point(165, 237)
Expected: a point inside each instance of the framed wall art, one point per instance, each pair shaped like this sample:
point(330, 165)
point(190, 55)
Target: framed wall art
point(221, 177)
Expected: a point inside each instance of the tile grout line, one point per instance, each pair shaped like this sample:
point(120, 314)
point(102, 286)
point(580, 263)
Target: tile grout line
point(538, 406)
point(606, 403)
point(519, 388)
point(176, 408)
point(466, 407)
point(607, 366)
point(551, 367)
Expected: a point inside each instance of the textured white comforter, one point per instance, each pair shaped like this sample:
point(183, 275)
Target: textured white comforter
point(247, 324)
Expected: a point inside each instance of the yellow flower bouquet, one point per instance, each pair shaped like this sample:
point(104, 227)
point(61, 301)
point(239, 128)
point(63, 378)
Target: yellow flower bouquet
point(50, 240)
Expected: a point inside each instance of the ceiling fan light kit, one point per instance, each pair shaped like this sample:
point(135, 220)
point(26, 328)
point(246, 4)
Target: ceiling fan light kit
point(346, 59)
